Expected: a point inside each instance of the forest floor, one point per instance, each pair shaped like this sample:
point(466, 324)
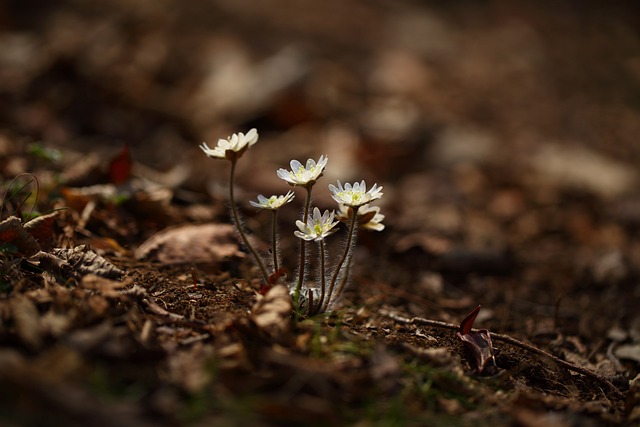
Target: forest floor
point(505, 138)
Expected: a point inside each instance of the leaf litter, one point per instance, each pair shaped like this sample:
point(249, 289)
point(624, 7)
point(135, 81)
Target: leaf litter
point(137, 306)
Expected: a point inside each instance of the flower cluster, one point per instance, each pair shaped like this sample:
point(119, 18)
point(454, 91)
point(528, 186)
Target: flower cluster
point(354, 209)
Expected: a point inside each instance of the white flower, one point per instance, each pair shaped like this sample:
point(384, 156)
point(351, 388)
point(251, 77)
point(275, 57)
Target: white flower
point(317, 227)
point(304, 175)
point(272, 203)
point(369, 217)
point(355, 195)
point(233, 147)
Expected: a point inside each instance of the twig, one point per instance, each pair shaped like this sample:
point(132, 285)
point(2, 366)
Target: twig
point(156, 309)
point(510, 340)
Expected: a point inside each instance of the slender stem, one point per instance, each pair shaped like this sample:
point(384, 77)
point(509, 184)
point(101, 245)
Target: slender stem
point(274, 240)
point(236, 218)
point(345, 276)
point(310, 302)
point(303, 248)
point(345, 254)
point(322, 275)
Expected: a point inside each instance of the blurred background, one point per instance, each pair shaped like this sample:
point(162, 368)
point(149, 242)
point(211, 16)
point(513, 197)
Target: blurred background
point(372, 84)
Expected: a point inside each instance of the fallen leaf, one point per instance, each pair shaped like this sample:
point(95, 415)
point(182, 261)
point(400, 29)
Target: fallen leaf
point(78, 198)
point(85, 261)
point(272, 312)
point(41, 228)
point(191, 244)
point(628, 351)
point(13, 233)
point(120, 166)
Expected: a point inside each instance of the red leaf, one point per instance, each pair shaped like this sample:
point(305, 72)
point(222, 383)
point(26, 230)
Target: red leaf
point(478, 343)
point(273, 278)
point(120, 166)
point(12, 232)
point(467, 324)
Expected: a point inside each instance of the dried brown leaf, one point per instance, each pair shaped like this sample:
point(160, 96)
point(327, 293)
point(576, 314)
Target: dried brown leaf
point(206, 243)
point(272, 312)
point(78, 198)
point(41, 228)
point(13, 233)
point(53, 264)
point(85, 261)
point(628, 351)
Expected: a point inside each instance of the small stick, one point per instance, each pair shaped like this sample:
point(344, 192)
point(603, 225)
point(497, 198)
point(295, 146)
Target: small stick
point(509, 340)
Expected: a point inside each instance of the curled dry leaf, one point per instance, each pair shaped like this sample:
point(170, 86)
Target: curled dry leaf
point(54, 265)
point(272, 312)
point(193, 244)
point(84, 261)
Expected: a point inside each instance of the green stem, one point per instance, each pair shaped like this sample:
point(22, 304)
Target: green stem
point(236, 218)
point(345, 254)
point(303, 249)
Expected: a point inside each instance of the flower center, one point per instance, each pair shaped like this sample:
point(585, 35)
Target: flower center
point(303, 173)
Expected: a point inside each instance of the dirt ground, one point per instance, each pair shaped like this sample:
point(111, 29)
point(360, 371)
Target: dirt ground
point(505, 135)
